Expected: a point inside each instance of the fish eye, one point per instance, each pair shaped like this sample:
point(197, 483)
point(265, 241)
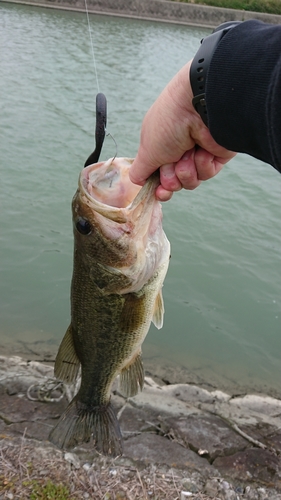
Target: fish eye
point(83, 226)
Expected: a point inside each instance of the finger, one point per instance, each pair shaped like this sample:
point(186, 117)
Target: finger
point(207, 165)
point(168, 178)
point(162, 194)
point(185, 170)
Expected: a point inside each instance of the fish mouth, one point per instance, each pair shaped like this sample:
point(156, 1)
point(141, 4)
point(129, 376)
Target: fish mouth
point(109, 190)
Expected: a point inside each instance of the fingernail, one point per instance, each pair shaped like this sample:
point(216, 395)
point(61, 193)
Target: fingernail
point(168, 170)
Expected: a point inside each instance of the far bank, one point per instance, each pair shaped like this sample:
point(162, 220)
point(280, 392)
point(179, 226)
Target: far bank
point(157, 10)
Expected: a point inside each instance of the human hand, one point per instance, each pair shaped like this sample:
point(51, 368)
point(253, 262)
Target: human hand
point(175, 139)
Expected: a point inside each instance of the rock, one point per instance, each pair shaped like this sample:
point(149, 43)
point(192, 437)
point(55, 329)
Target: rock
point(211, 488)
point(262, 493)
point(149, 448)
point(72, 459)
point(225, 485)
point(239, 490)
point(273, 440)
point(261, 404)
point(251, 411)
point(87, 467)
point(17, 409)
point(3, 426)
point(14, 386)
point(230, 495)
point(253, 464)
point(190, 486)
point(43, 472)
point(157, 400)
point(194, 394)
point(193, 418)
point(138, 420)
point(209, 433)
point(33, 419)
point(32, 430)
point(17, 375)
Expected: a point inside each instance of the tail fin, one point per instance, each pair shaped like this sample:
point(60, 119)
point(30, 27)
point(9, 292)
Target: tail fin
point(79, 425)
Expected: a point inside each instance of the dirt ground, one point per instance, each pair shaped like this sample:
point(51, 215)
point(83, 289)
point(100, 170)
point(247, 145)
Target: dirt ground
point(28, 472)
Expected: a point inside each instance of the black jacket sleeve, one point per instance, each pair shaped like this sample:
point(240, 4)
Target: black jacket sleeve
point(243, 91)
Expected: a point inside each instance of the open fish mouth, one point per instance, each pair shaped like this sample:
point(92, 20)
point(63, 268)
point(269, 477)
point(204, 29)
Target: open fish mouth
point(109, 183)
point(109, 190)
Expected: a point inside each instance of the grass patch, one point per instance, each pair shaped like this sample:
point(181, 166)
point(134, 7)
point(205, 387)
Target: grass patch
point(265, 6)
point(33, 489)
point(49, 491)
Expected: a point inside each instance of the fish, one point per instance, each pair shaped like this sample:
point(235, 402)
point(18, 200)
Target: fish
point(121, 257)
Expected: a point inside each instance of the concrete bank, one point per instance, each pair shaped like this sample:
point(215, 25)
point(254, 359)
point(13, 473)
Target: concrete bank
point(221, 446)
point(157, 10)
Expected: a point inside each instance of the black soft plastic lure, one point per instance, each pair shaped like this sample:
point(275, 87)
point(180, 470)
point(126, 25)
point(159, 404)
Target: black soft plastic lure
point(101, 112)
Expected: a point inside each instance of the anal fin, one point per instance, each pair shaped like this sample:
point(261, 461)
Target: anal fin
point(132, 377)
point(67, 363)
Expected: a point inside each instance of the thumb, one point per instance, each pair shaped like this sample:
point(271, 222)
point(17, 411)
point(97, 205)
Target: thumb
point(140, 170)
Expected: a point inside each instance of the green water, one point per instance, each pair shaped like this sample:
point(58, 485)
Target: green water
point(222, 292)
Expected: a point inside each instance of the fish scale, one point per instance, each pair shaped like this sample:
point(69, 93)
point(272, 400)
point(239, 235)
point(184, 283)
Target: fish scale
point(121, 256)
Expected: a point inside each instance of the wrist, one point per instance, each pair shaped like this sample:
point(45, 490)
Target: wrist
point(200, 66)
point(180, 92)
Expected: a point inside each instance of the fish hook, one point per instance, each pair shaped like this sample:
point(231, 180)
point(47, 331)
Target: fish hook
point(100, 129)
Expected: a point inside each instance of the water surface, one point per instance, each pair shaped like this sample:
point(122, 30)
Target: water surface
point(222, 292)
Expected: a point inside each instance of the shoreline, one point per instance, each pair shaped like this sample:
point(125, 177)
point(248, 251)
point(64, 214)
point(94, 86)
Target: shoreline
point(215, 444)
point(156, 10)
point(162, 370)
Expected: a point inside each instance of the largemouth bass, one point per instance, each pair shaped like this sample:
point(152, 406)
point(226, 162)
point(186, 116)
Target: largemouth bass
point(121, 256)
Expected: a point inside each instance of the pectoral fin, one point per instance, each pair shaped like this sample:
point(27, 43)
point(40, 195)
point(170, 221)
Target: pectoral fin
point(158, 313)
point(132, 378)
point(67, 363)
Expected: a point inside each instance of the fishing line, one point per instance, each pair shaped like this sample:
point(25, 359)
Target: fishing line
point(92, 45)
point(96, 73)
